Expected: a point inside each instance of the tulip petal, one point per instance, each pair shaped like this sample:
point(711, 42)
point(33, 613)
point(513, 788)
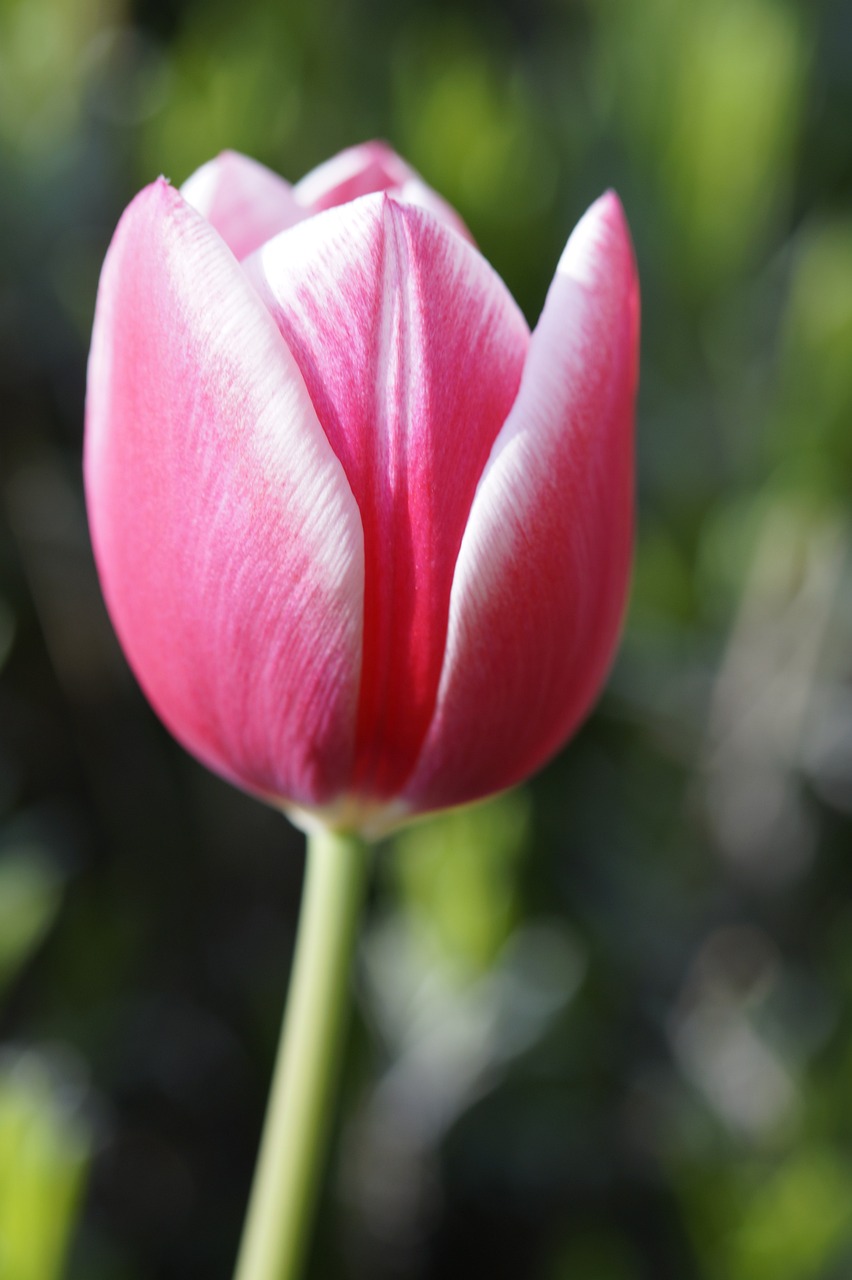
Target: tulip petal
point(365, 170)
point(412, 350)
point(246, 202)
point(228, 540)
point(543, 570)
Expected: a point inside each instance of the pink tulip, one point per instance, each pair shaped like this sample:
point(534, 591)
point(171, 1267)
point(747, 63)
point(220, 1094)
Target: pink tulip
point(365, 540)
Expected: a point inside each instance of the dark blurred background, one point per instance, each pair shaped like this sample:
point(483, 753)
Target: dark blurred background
point(603, 1026)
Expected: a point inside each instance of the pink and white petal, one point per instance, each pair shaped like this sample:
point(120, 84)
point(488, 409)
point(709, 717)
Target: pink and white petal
point(358, 171)
point(412, 349)
point(543, 571)
point(227, 538)
point(246, 202)
point(416, 191)
point(365, 170)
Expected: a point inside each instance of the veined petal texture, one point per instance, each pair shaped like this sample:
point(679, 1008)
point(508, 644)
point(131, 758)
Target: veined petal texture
point(542, 573)
point(366, 543)
point(412, 349)
point(228, 540)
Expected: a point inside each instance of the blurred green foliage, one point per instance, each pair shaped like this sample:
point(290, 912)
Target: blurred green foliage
point(714, 115)
point(45, 1140)
point(460, 873)
point(44, 1152)
point(30, 897)
point(605, 1022)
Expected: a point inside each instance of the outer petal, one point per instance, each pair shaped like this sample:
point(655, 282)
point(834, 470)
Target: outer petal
point(228, 541)
point(543, 570)
point(412, 350)
point(365, 170)
point(246, 202)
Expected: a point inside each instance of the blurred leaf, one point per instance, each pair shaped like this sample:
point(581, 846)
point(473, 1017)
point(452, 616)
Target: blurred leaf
point(44, 1156)
point(231, 88)
point(815, 404)
point(662, 581)
point(30, 897)
point(43, 67)
point(459, 871)
point(795, 1222)
point(710, 92)
point(467, 120)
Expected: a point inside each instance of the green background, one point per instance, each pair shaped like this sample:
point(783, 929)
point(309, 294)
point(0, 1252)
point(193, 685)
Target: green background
point(603, 1027)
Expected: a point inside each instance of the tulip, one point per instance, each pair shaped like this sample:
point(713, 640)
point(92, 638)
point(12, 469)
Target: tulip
point(364, 539)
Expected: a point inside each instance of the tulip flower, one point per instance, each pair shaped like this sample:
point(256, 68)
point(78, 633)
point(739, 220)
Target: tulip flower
point(364, 538)
point(365, 541)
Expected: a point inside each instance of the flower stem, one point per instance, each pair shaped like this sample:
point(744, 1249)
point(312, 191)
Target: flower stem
point(301, 1102)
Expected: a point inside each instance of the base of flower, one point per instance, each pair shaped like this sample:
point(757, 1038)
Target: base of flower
point(351, 815)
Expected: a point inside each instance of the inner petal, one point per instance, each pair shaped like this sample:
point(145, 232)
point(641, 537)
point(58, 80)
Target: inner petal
point(412, 349)
point(365, 170)
point(243, 200)
point(358, 171)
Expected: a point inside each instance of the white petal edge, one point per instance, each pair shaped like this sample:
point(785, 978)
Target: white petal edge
point(535, 459)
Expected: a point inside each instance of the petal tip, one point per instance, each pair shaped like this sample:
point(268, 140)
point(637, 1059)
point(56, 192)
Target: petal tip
point(599, 243)
point(161, 191)
point(610, 206)
point(375, 149)
point(154, 201)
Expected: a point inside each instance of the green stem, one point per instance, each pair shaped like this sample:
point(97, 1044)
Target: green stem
point(301, 1102)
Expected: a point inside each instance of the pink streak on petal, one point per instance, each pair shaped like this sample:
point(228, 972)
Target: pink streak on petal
point(365, 170)
point(412, 350)
point(246, 202)
point(543, 570)
point(228, 541)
